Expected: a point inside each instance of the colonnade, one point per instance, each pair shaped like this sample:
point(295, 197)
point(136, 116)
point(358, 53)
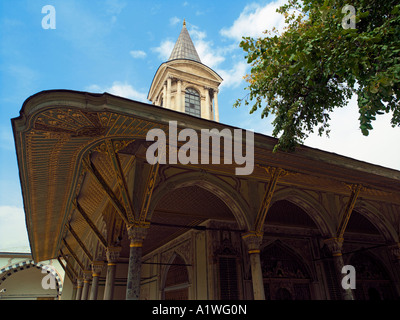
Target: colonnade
point(252, 240)
point(91, 277)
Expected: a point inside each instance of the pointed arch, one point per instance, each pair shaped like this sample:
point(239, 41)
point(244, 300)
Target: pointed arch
point(218, 187)
point(285, 271)
point(379, 220)
point(373, 279)
point(175, 280)
point(311, 206)
point(280, 250)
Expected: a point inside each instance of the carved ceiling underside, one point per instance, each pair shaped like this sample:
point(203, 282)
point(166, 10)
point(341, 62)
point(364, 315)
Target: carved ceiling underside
point(58, 130)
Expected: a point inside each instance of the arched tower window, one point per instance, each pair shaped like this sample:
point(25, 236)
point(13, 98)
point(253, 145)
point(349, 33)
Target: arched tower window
point(192, 102)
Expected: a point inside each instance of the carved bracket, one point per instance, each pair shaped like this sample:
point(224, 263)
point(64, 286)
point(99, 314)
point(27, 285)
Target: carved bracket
point(355, 191)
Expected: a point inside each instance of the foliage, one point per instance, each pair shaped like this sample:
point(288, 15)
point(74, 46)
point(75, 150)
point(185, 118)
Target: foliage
point(317, 64)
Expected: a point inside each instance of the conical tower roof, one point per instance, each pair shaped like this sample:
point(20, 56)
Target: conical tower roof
point(184, 47)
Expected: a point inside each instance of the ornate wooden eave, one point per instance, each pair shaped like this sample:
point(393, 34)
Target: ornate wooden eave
point(59, 130)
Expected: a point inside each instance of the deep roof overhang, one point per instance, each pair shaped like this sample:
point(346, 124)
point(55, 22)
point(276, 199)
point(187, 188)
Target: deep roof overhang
point(56, 129)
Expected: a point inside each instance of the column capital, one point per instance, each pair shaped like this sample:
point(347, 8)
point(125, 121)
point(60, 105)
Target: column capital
point(112, 254)
point(97, 267)
point(137, 233)
point(79, 283)
point(253, 241)
point(335, 245)
point(87, 275)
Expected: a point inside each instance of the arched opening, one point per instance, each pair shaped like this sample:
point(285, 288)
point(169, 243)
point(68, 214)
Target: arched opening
point(372, 279)
point(359, 224)
point(285, 271)
point(212, 198)
point(176, 286)
point(286, 277)
point(286, 213)
point(181, 210)
point(202, 221)
point(192, 102)
point(30, 281)
point(310, 212)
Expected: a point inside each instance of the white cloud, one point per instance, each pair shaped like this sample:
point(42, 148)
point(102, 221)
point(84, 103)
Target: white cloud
point(209, 55)
point(13, 234)
point(346, 138)
point(255, 19)
point(121, 89)
point(174, 20)
point(233, 77)
point(140, 54)
point(127, 91)
point(114, 6)
point(164, 49)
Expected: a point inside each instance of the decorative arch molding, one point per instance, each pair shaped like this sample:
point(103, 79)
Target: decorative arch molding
point(373, 258)
point(293, 252)
point(166, 269)
point(220, 188)
point(374, 216)
point(20, 266)
point(195, 87)
point(311, 206)
point(373, 272)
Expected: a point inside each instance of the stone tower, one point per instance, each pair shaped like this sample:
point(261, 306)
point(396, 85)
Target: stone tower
point(184, 83)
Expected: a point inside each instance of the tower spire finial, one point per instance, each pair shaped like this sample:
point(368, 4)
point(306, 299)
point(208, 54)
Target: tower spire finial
point(184, 47)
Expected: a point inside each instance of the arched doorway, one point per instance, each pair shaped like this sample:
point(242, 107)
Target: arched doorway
point(285, 271)
point(176, 285)
point(286, 277)
point(372, 279)
point(201, 220)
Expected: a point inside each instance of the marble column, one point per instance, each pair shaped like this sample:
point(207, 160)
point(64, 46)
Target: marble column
point(74, 290)
point(216, 118)
point(253, 242)
point(97, 267)
point(335, 246)
point(87, 274)
point(79, 289)
point(112, 254)
point(136, 235)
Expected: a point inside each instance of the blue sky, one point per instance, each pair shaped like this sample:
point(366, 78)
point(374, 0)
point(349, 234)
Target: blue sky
point(117, 46)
